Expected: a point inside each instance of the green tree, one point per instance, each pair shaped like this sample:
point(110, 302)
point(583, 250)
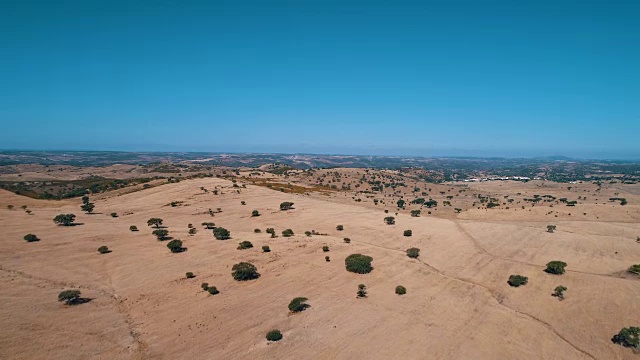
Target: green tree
point(628, 337)
point(407, 233)
point(325, 248)
point(255, 213)
point(103, 250)
point(413, 252)
point(221, 233)
point(556, 267)
point(209, 225)
point(390, 220)
point(70, 297)
point(551, 228)
point(85, 199)
point(517, 280)
point(362, 291)
point(274, 335)
point(287, 233)
point(400, 203)
point(415, 213)
point(346, 240)
point(339, 227)
point(286, 205)
point(213, 290)
point(190, 275)
point(133, 228)
point(401, 290)
point(154, 222)
point(245, 245)
point(175, 246)
point(161, 234)
point(31, 238)
point(358, 263)
point(244, 271)
point(298, 304)
point(64, 219)
point(265, 248)
point(635, 269)
point(88, 207)
point(559, 292)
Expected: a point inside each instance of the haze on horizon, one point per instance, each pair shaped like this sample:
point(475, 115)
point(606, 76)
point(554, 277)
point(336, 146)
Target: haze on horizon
point(465, 79)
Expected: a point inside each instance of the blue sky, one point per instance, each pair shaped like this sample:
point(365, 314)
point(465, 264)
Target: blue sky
point(418, 78)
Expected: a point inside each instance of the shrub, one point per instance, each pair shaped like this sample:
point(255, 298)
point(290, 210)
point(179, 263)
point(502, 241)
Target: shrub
point(358, 263)
point(64, 219)
point(347, 240)
point(266, 248)
point(413, 252)
point(327, 259)
point(635, 269)
point(517, 280)
point(245, 245)
point(415, 213)
point(551, 228)
point(407, 233)
point(243, 203)
point(175, 246)
point(362, 291)
point(287, 233)
point(133, 228)
point(286, 205)
point(270, 231)
point(325, 248)
point(308, 233)
point(244, 271)
point(221, 233)
point(257, 231)
point(204, 286)
point(390, 220)
point(209, 225)
point(274, 335)
point(192, 231)
point(255, 213)
point(31, 238)
point(154, 222)
point(190, 275)
point(70, 297)
point(401, 290)
point(339, 227)
point(10, 207)
point(114, 215)
point(555, 267)
point(103, 250)
point(161, 234)
point(213, 290)
point(628, 337)
point(559, 292)
point(386, 211)
point(298, 304)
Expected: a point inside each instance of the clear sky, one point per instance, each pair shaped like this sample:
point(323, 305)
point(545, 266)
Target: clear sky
point(512, 78)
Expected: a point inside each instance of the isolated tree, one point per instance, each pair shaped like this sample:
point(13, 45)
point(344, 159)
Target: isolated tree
point(204, 286)
point(257, 231)
point(103, 250)
point(133, 228)
point(358, 263)
point(31, 238)
point(431, 203)
point(346, 240)
point(265, 248)
point(628, 337)
point(407, 233)
point(551, 228)
point(154, 222)
point(270, 231)
point(209, 225)
point(192, 231)
point(221, 233)
point(413, 252)
point(274, 335)
point(286, 205)
point(517, 280)
point(400, 203)
point(327, 259)
point(190, 275)
point(114, 214)
point(555, 267)
point(287, 233)
point(255, 213)
point(298, 304)
point(244, 271)
point(70, 297)
point(390, 220)
point(245, 245)
point(415, 213)
point(339, 227)
point(401, 290)
point(10, 207)
point(325, 248)
point(362, 291)
point(64, 219)
point(161, 234)
point(88, 207)
point(213, 290)
point(635, 269)
point(559, 292)
point(85, 199)
point(175, 246)
point(243, 203)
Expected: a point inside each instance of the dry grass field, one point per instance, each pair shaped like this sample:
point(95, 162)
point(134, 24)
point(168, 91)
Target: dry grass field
point(458, 304)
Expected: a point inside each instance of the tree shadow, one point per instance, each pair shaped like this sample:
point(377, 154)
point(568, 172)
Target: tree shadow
point(79, 301)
